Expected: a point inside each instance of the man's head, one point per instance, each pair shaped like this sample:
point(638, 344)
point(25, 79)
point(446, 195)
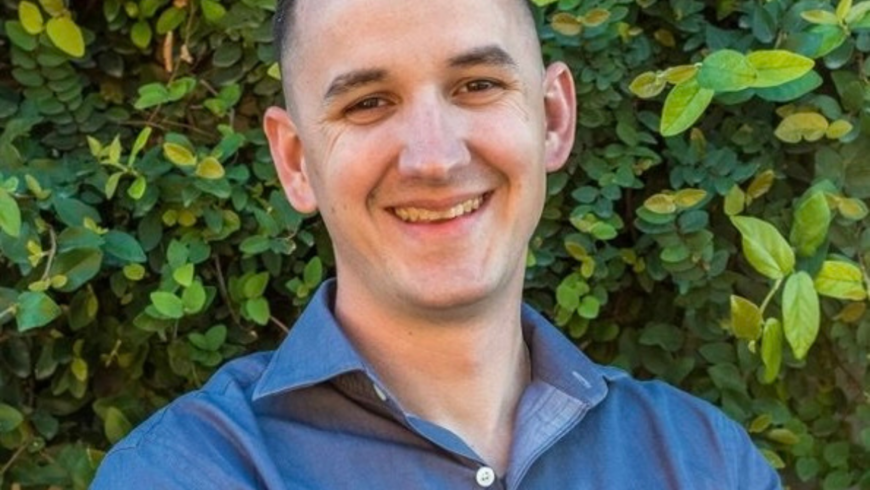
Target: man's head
point(423, 133)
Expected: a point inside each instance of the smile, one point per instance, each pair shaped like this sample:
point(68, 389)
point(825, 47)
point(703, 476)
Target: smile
point(421, 215)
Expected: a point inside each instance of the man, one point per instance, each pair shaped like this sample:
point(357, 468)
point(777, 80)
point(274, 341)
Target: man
point(423, 132)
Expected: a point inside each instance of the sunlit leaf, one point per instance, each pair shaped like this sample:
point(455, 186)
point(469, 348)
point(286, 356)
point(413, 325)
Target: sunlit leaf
point(726, 71)
point(30, 17)
point(661, 204)
point(647, 85)
point(745, 318)
point(66, 35)
point(771, 349)
point(838, 129)
point(811, 221)
point(566, 24)
point(683, 106)
point(841, 280)
point(10, 214)
point(179, 155)
point(776, 67)
point(810, 126)
point(764, 247)
point(800, 313)
point(820, 17)
point(687, 198)
point(595, 17)
point(679, 74)
point(210, 168)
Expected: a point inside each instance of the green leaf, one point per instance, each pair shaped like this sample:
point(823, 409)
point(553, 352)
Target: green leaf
point(852, 209)
point(313, 272)
point(116, 425)
point(258, 310)
point(764, 247)
point(841, 280)
point(184, 275)
point(35, 310)
point(811, 221)
point(79, 266)
point(823, 17)
point(139, 144)
point(170, 19)
point(745, 318)
point(843, 8)
point(777, 67)
point(124, 247)
point(137, 188)
point(683, 106)
point(791, 90)
point(66, 35)
point(53, 7)
point(10, 214)
point(255, 285)
point(726, 71)
point(112, 184)
point(194, 298)
point(212, 10)
point(800, 313)
point(168, 304)
point(735, 201)
point(771, 349)
point(141, 34)
point(152, 94)
point(30, 17)
point(179, 155)
point(832, 36)
point(10, 418)
point(216, 336)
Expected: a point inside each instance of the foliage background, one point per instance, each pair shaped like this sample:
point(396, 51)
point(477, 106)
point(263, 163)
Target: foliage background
point(134, 263)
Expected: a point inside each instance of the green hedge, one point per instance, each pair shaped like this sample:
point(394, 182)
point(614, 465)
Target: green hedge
point(144, 238)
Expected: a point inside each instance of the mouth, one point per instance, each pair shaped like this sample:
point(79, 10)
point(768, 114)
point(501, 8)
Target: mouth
point(410, 214)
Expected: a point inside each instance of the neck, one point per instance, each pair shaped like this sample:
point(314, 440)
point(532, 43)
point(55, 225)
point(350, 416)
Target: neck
point(466, 376)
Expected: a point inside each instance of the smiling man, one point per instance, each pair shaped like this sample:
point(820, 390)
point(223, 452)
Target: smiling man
point(423, 132)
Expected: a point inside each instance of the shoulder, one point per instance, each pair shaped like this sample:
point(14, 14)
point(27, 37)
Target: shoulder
point(200, 439)
point(679, 424)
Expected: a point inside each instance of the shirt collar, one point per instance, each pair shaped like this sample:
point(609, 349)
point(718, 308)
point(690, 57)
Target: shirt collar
point(316, 350)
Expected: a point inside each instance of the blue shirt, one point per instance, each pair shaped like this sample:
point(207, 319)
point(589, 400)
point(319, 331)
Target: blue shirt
point(313, 415)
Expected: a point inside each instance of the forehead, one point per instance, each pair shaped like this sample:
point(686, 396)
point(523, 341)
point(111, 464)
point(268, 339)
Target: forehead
point(331, 36)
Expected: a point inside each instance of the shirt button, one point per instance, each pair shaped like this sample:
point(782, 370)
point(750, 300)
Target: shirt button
point(380, 392)
point(485, 476)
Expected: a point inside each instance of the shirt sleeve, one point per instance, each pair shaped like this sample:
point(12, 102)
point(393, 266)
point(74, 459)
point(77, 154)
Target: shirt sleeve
point(751, 469)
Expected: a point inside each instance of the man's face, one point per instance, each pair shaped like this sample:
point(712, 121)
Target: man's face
point(422, 132)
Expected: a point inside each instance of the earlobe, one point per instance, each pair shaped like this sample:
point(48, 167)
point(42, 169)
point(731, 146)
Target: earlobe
point(286, 149)
point(560, 107)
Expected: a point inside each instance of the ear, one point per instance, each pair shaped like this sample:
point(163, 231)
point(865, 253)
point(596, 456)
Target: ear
point(289, 159)
point(560, 111)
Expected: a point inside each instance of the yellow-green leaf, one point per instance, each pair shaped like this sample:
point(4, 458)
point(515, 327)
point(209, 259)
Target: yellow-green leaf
point(852, 312)
point(53, 7)
point(802, 125)
point(811, 221)
point(838, 129)
point(800, 313)
point(661, 204)
point(822, 17)
point(726, 71)
point(857, 13)
point(116, 425)
point(66, 35)
point(841, 280)
point(212, 10)
point(595, 17)
point(843, 9)
point(745, 318)
point(679, 74)
point(761, 184)
point(771, 349)
point(764, 247)
point(179, 155)
point(274, 71)
point(30, 17)
point(134, 272)
point(184, 275)
point(566, 24)
point(137, 188)
point(210, 168)
point(647, 85)
point(777, 67)
point(10, 214)
point(683, 106)
point(686, 198)
point(735, 201)
point(853, 209)
point(141, 34)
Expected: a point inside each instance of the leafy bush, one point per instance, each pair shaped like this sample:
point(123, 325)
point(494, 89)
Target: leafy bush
point(710, 229)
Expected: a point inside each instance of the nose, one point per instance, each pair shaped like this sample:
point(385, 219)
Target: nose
point(433, 139)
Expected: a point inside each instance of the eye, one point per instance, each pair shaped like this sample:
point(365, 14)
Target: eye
point(367, 104)
point(367, 110)
point(479, 86)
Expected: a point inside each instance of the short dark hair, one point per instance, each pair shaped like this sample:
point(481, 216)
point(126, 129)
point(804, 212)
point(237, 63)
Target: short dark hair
point(284, 20)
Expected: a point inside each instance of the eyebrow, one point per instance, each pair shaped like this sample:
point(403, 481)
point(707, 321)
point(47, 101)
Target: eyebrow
point(485, 55)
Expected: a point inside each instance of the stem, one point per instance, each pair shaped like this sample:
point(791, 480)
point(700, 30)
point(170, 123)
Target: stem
point(222, 285)
point(770, 295)
point(14, 457)
point(51, 253)
point(8, 311)
point(279, 324)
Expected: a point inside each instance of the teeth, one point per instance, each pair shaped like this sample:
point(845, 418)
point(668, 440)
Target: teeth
point(416, 215)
